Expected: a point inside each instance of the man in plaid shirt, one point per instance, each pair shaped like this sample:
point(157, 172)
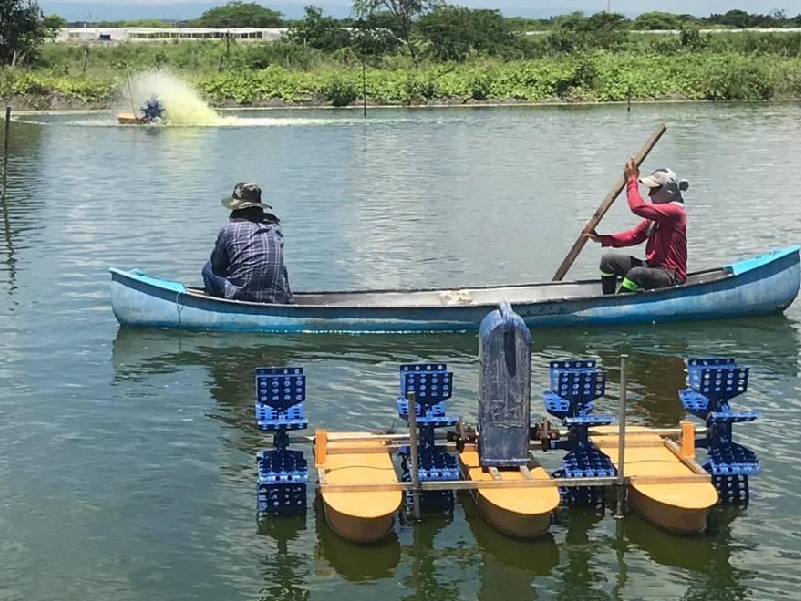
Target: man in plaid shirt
point(247, 262)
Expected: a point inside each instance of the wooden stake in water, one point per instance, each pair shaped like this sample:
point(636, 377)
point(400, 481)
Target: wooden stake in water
point(364, 85)
point(411, 398)
point(5, 149)
point(621, 440)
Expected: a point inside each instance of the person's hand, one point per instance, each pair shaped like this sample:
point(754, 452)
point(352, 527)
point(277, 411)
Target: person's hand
point(630, 170)
point(592, 235)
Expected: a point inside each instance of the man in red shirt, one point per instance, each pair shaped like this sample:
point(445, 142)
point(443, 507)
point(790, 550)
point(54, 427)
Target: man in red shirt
point(664, 227)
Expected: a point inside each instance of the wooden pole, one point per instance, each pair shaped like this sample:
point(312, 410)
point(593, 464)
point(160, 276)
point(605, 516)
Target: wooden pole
point(621, 440)
point(364, 85)
point(5, 149)
point(411, 398)
point(578, 245)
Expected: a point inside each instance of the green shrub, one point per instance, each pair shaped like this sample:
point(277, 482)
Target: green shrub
point(341, 92)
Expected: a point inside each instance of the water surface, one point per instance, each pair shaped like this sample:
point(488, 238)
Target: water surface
point(126, 457)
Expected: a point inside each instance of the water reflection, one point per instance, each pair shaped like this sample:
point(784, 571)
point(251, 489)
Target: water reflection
point(434, 568)
point(508, 564)
point(356, 563)
point(283, 567)
point(770, 346)
point(708, 557)
point(22, 201)
point(136, 353)
point(579, 577)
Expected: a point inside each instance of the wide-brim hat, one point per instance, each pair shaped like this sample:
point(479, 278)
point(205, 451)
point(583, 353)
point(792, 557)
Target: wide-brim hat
point(245, 196)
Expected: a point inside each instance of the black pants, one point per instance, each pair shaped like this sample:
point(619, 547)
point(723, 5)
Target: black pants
point(635, 273)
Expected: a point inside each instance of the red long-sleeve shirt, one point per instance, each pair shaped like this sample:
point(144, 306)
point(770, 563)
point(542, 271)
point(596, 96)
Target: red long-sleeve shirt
point(667, 242)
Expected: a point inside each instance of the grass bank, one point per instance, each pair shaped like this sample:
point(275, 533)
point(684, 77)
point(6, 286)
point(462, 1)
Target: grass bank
point(598, 76)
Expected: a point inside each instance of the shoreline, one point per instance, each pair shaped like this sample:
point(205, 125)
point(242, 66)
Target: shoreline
point(93, 107)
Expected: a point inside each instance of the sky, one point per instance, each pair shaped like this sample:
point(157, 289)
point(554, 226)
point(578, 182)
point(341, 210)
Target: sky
point(186, 9)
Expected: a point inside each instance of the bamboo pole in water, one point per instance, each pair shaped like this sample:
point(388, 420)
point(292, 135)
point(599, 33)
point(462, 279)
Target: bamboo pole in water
point(5, 149)
point(578, 245)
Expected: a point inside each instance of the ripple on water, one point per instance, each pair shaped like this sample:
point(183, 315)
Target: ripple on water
point(139, 444)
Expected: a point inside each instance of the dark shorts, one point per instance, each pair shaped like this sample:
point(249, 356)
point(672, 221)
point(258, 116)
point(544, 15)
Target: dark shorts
point(637, 271)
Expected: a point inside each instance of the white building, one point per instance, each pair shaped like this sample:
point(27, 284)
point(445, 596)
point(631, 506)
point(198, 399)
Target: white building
point(147, 34)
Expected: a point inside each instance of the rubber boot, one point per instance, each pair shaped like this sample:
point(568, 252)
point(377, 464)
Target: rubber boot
point(608, 283)
point(628, 286)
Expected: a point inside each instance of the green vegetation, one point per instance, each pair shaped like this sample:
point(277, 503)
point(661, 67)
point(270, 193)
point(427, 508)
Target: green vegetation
point(598, 76)
point(239, 14)
point(415, 51)
point(21, 30)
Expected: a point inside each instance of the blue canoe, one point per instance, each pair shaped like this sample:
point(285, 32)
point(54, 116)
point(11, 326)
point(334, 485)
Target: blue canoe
point(759, 286)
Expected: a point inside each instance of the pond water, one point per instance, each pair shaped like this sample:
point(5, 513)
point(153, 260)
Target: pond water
point(127, 456)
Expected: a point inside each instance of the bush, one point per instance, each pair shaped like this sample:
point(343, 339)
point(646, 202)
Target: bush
point(317, 31)
point(341, 92)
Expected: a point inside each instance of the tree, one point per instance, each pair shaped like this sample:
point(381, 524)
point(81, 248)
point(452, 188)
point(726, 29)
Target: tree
point(657, 20)
point(733, 18)
point(403, 11)
point(577, 32)
point(452, 32)
point(240, 14)
point(52, 23)
point(317, 31)
point(21, 30)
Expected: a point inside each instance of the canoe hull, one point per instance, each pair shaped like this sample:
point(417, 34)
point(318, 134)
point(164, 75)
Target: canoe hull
point(761, 286)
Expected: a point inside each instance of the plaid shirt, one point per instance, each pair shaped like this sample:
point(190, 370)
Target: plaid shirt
point(250, 256)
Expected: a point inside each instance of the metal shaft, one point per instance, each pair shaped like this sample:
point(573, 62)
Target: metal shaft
point(621, 440)
point(411, 397)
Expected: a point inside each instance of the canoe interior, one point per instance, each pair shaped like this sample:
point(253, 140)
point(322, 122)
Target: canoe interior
point(465, 297)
